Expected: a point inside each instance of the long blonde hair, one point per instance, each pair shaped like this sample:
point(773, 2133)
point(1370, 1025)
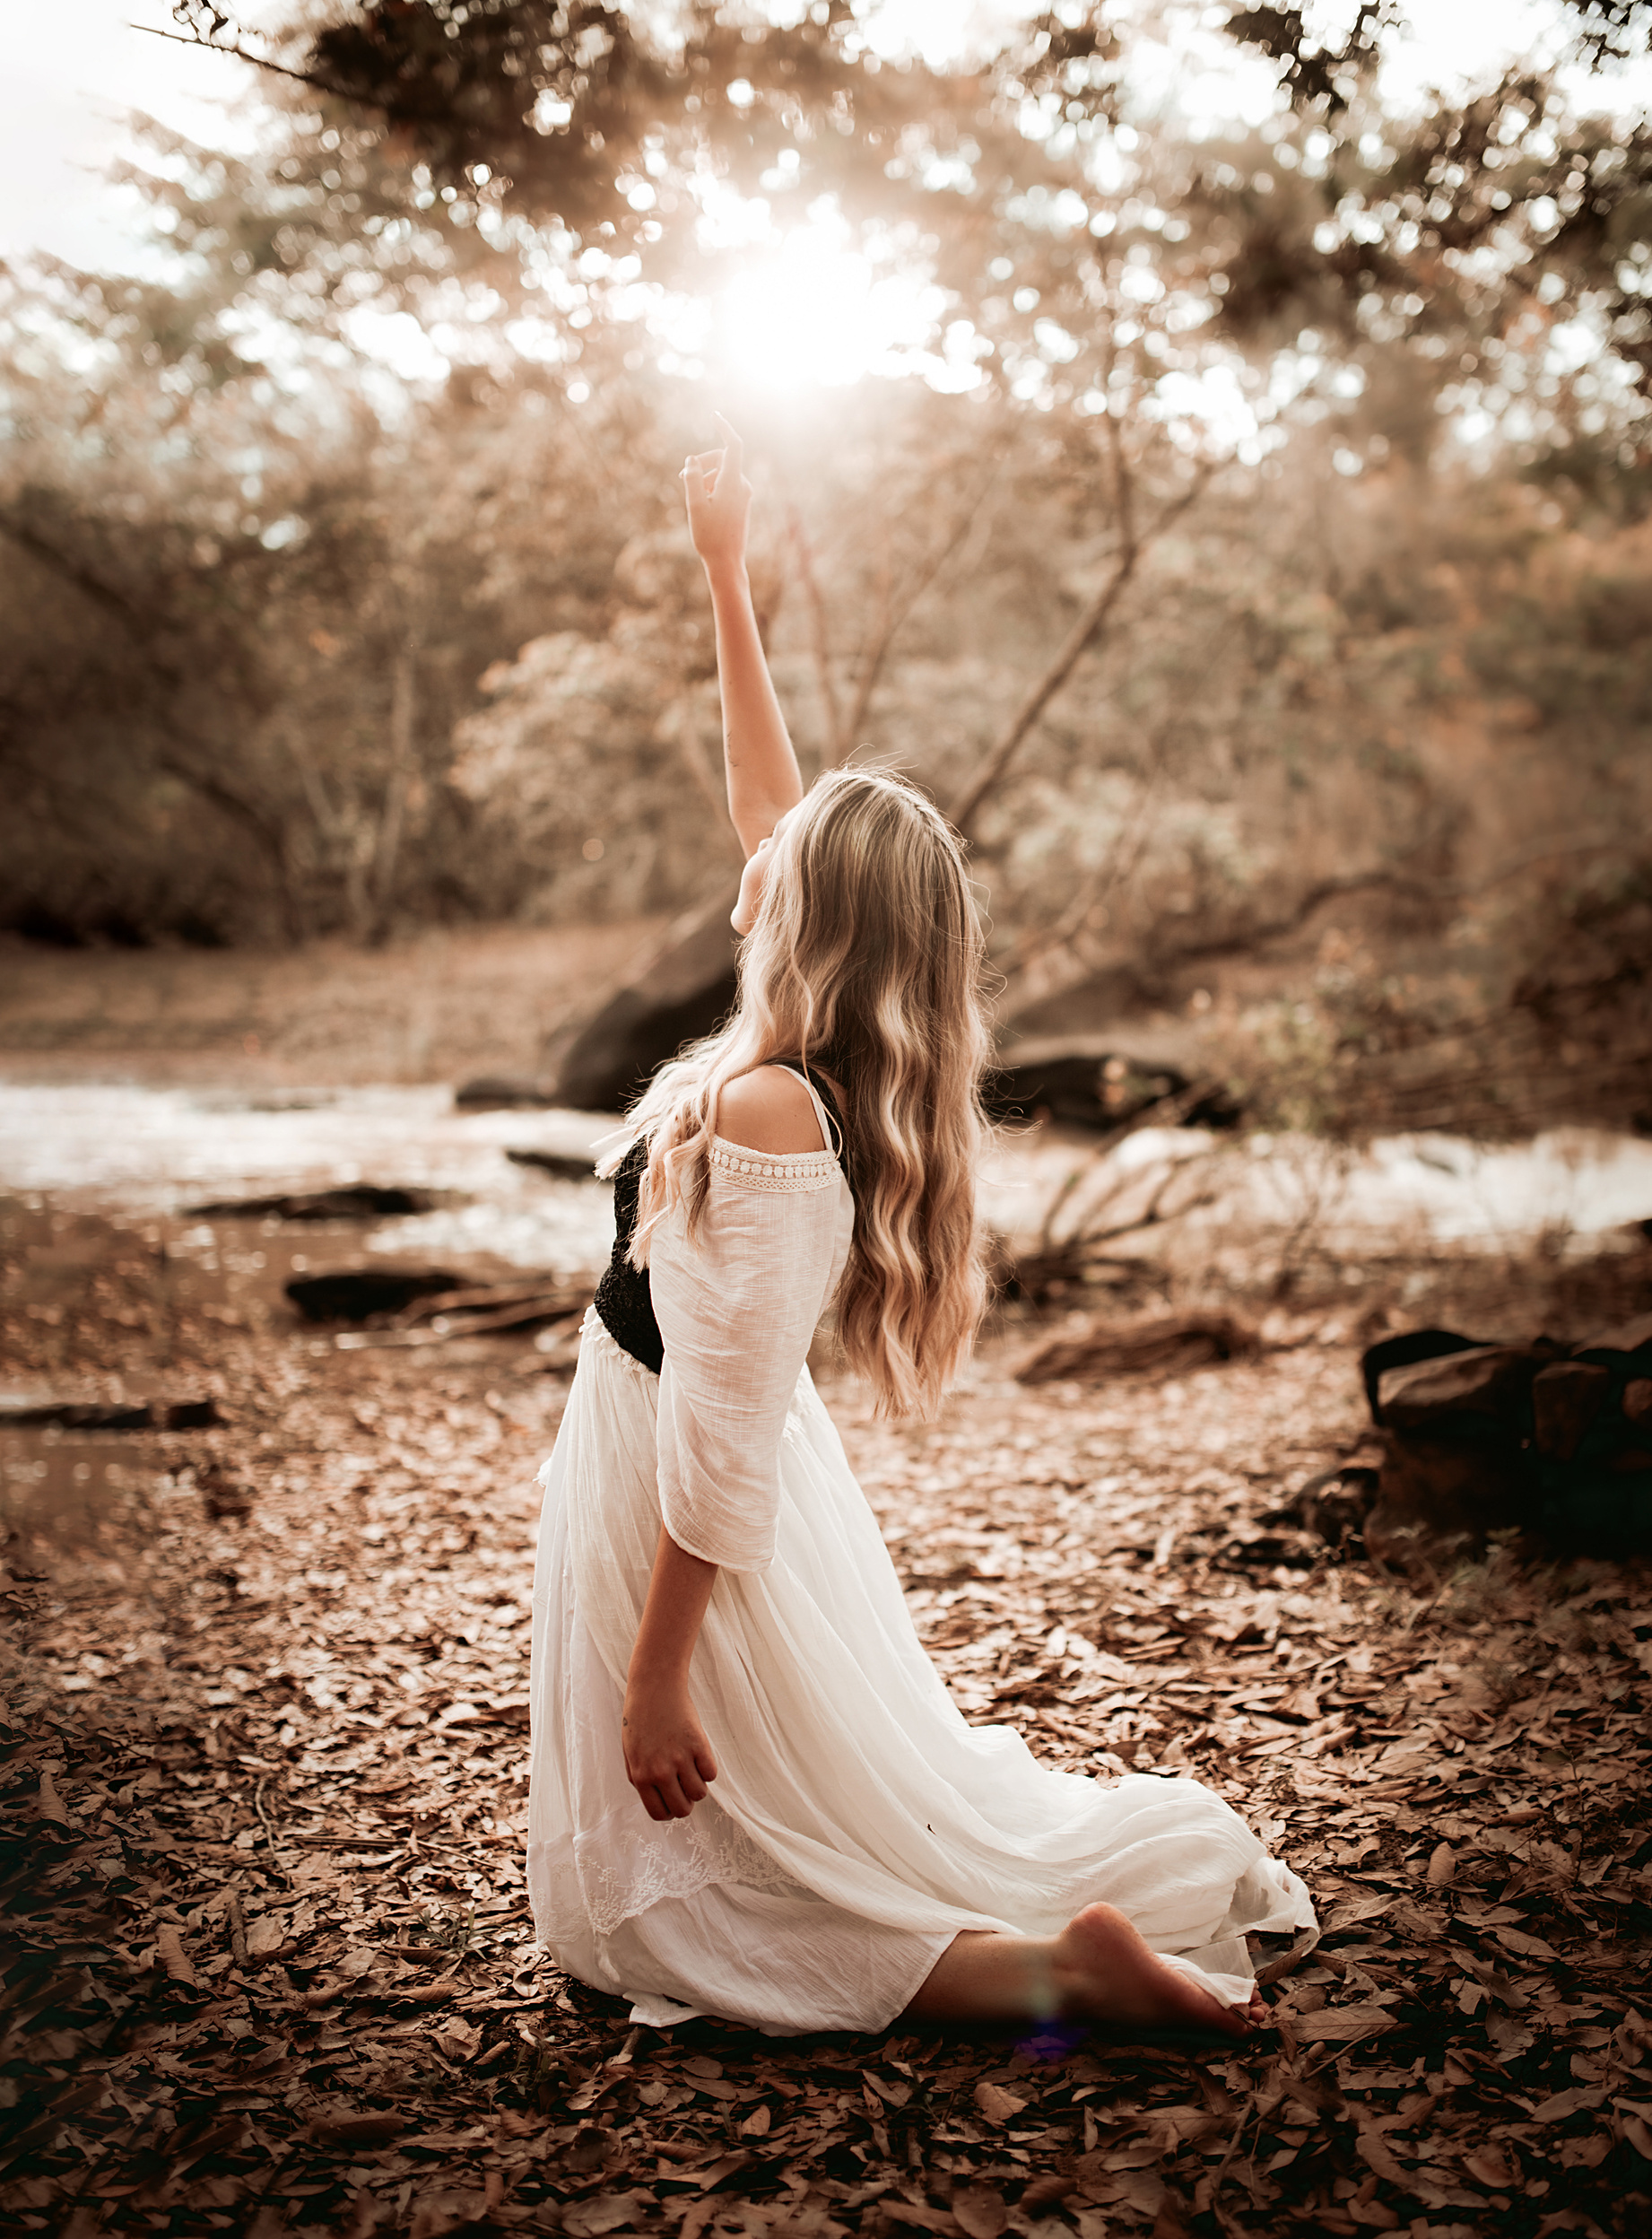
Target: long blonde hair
point(865, 961)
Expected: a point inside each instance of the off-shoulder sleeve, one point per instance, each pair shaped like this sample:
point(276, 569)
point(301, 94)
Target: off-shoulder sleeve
point(737, 1308)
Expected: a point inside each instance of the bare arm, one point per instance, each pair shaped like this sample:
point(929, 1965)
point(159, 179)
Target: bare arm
point(764, 778)
point(668, 1759)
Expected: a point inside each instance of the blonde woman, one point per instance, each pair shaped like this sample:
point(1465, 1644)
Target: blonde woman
point(752, 1796)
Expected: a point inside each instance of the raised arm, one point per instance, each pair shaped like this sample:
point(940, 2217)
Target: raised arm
point(764, 778)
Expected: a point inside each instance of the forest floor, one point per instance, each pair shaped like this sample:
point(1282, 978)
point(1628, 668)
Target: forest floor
point(268, 1966)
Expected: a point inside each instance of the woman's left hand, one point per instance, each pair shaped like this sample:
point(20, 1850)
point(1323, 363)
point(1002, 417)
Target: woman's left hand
point(668, 1759)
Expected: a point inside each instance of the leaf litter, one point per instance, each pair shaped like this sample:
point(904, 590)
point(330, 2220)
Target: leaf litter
point(268, 1966)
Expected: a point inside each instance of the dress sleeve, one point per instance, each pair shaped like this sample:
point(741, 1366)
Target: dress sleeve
point(737, 1308)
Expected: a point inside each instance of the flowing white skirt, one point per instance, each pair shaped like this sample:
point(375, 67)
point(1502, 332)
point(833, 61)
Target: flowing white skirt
point(857, 1822)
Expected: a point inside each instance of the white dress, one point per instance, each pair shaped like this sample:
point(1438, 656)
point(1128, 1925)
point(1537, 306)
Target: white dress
point(858, 1823)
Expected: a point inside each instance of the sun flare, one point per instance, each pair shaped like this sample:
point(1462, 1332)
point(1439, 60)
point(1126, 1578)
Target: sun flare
point(815, 312)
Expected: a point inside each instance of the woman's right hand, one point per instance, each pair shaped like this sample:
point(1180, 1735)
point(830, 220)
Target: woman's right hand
point(668, 1759)
point(719, 498)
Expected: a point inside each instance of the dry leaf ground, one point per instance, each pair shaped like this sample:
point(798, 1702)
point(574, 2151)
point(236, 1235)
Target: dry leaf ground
point(267, 1962)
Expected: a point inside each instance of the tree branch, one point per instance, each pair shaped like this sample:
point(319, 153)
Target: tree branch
point(1091, 624)
point(897, 609)
point(261, 62)
point(834, 748)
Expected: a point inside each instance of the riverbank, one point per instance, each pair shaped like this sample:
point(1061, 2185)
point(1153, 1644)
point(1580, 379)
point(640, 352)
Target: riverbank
point(442, 1006)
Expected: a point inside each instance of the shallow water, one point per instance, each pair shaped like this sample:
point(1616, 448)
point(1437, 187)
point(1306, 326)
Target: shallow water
point(122, 1147)
point(119, 1146)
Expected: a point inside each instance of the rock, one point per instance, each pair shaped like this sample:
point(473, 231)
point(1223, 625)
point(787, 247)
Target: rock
point(1436, 1501)
point(680, 991)
point(1629, 1336)
point(354, 1201)
point(356, 1294)
point(1401, 1351)
point(1484, 1438)
point(1566, 1398)
point(687, 985)
point(1486, 1380)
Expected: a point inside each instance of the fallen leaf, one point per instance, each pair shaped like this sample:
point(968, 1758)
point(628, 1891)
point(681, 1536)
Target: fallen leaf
point(1378, 2156)
point(996, 2104)
point(608, 2211)
point(357, 2130)
point(459, 2039)
point(979, 2208)
point(1562, 2104)
point(264, 1935)
point(1490, 2165)
point(720, 2171)
point(1342, 2024)
point(438, 2213)
point(174, 1958)
point(51, 1805)
point(756, 2124)
point(1442, 1865)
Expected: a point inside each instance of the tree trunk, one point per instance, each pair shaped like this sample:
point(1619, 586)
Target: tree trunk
point(403, 708)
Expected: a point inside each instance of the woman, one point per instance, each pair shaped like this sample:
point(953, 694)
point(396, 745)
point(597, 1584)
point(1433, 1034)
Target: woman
point(752, 1795)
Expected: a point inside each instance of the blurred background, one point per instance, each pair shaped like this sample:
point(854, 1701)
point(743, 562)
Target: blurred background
point(1207, 447)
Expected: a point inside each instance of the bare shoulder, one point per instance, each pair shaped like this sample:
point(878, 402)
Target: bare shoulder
point(768, 1110)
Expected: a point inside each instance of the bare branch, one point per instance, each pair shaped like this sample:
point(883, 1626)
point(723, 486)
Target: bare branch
point(897, 609)
point(1089, 627)
point(260, 62)
point(836, 745)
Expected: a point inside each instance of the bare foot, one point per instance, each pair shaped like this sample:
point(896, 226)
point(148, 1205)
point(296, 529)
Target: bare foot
point(1105, 1973)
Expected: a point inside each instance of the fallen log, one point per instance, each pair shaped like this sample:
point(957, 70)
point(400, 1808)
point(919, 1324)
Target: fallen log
point(425, 1306)
point(543, 1299)
point(355, 1201)
point(149, 1415)
point(490, 1094)
point(1164, 1344)
point(556, 1163)
point(1085, 1088)
point(358, 1293)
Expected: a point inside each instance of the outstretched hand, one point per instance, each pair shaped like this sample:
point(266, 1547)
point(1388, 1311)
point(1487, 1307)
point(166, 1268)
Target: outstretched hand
point(719, 498)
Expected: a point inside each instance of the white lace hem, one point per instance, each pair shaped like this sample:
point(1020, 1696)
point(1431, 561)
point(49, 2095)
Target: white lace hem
point(591, 1883)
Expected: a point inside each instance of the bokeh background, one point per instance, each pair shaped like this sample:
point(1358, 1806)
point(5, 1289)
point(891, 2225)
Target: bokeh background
point(1264, 388)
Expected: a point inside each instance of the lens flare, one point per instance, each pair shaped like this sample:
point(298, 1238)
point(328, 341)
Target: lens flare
point(815, 312)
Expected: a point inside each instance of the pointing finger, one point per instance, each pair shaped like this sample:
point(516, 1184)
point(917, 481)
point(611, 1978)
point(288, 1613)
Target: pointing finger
point(733, 450)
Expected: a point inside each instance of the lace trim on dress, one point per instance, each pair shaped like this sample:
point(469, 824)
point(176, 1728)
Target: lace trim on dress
point(791, 1173)
point(597, 1882)
point(595, 1332)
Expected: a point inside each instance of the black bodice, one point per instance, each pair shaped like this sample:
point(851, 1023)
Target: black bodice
point(623, 1301)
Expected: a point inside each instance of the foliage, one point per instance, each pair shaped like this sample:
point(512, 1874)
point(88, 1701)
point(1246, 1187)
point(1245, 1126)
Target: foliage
point(1332, 429)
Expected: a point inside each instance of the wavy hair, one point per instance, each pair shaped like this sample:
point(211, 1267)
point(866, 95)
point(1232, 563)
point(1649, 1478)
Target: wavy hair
point(865, 961)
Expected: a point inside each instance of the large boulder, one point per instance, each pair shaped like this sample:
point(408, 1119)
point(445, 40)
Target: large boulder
point(683, 990)
point(685, 987)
